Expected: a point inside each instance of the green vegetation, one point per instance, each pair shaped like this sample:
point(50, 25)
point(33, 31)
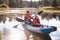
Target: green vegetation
point(55, 4)
point(20, 3)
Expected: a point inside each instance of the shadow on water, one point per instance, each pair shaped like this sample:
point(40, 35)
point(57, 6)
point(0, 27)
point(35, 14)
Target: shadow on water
point(39, 36)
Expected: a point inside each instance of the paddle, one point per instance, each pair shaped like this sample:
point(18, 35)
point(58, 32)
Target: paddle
point(19, 20)
point(40, 12)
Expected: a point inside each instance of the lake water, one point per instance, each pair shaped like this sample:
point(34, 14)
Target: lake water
point(8, 31)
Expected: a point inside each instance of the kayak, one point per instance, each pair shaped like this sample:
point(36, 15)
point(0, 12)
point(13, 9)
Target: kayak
point(42, 30)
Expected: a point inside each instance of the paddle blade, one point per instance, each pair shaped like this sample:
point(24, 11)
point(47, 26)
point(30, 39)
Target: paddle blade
point(19, 20)
point(15, 26)
point(40, 12)
point(54, 28)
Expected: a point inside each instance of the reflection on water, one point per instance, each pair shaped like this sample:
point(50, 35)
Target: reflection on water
point(8, 32)
point(2, 18)
point(49, 16)
point(6, 27)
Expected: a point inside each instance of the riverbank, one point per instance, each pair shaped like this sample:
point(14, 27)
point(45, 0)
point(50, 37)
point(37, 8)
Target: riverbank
point(50, 9)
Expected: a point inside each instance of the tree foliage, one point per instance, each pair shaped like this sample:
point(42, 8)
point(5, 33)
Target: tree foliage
point(54, 4)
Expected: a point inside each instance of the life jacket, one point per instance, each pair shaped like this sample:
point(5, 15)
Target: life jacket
point(36, 22)
point(27, 16)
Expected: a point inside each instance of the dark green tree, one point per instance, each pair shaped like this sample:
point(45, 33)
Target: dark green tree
point(54, 4)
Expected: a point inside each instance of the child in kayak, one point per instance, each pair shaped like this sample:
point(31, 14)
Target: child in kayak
point(27, 15)
point(27, 18)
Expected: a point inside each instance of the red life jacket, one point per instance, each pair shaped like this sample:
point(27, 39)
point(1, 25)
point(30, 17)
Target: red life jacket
point(27, 16)
point(36, 22)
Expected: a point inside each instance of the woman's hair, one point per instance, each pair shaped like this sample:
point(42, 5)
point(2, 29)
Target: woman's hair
point(27, 11)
